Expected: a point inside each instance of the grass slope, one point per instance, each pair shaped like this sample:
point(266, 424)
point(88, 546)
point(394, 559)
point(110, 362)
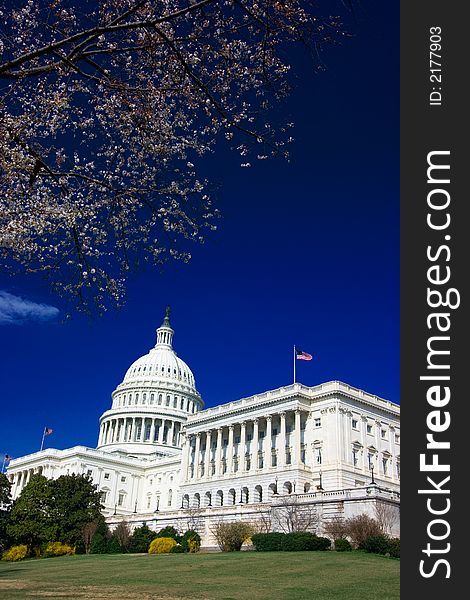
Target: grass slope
point(230, 576)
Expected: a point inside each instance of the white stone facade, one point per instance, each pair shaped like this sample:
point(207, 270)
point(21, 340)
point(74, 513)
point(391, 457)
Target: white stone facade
point(164, 460)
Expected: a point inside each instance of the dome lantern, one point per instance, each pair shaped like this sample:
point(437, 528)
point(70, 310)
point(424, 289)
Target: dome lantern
point(165, 332)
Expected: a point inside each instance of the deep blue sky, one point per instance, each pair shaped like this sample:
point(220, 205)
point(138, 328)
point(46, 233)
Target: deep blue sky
point(307, 253)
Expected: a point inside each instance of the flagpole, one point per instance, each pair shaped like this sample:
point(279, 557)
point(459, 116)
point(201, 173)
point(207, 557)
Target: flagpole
point(294, 363)
point(43, 436)
point(3, 465)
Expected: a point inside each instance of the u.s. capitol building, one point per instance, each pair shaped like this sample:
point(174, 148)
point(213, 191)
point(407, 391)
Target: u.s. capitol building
point(161, 458)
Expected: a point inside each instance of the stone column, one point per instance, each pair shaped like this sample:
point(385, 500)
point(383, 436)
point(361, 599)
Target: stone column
point(242, 447)
point(296, 458)
point(161, 430)
point(218, 453)
point(254, 445)
point(378, 467)
point(197, 458)
point(171, 433)
point(268, 443)
point(207, 457)
point(152, 432)
point(365, 464)
point(186, 446)
point(281, 450)
point(230, 450)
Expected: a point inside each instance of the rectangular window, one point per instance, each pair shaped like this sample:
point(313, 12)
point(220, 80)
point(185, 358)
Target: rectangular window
point(120, 499)
point(249, 437)
point(237, 439)
point(123, 479)
point(383, 433)
point(354, 423)
point(369, 429)
point(317, 422)
point(89, 473)
point(397, 438)
point(106, 475)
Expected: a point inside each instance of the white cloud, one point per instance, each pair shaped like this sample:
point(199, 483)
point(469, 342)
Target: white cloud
point(16, 311)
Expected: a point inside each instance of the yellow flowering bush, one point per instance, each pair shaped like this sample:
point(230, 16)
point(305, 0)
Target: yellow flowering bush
point(15, 553)
point(58, 549)
point(162, 545)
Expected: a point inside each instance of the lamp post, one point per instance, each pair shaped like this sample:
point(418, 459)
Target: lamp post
point(241, 495)
point(320, 487)
point(275, 489)
point(372, 471)
point(158, 504)
point(115, 507)
point(135, 507)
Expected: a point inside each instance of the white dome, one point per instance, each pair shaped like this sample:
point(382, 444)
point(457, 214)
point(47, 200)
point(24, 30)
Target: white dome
point(152, 403)
point(160, 365)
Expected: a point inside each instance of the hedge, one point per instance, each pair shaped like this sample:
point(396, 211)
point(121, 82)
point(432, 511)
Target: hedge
point(162, 545)
point(15, 553)
point(343, 545)
point(289, 542)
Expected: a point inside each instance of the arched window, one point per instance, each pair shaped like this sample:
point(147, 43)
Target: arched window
point(167, 401)
point(159, 398)
point(170, 497)
point(144, 398)
point(152, 398)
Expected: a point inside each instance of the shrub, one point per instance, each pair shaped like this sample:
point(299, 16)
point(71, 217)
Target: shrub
point(114, 547)
point(360, 528)
point(342, 545)
point(231, 536)
point(302, 540)
point(377, 544)
point(394, 547)
point(178, 549)
point(58, 549)
point(268, 542)
point(141, 539)
point(15, 553)
point(162, 545)
point(169, 532)
point(99, 540)
point(191, 541)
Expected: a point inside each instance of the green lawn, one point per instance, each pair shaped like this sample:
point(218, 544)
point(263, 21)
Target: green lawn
point(231, 576)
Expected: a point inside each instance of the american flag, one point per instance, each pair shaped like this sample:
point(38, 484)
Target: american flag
point(299, 355)
point(8, 457)
point(48, 431)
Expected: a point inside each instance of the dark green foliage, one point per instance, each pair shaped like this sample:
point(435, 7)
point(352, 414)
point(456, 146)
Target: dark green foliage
point(178, 549)
point(53, 509)
point(377, 544)
point(140, 539)
point(99, 542)
point(74, 503)
point(5, 489)
point(113, 546)
point(343, 545)
point(187, 536)
point(169, 532)
point(267, 542)
point(394, 547)
point(289, 542)
point(30, 520)
point(302, 541)
point(5, 540)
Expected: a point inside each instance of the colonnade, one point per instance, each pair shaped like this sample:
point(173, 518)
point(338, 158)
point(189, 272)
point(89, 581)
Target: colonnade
point(140, 430)
point(276, 440)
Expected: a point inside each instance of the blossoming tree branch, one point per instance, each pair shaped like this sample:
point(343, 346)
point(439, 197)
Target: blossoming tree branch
point(107, 106)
